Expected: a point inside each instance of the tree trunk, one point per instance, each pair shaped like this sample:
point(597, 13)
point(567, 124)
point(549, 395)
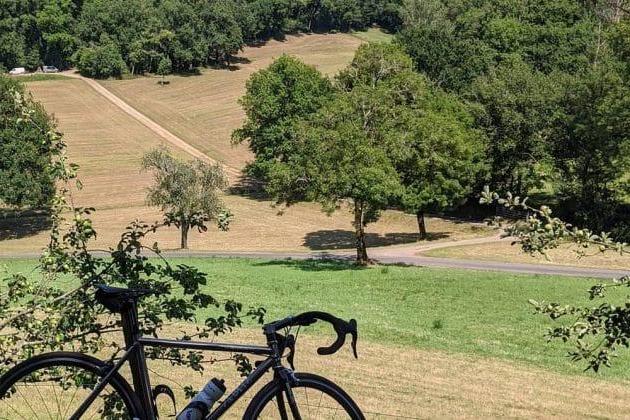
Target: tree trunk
point(422, 226)
point(362, 257)
point(184, 228)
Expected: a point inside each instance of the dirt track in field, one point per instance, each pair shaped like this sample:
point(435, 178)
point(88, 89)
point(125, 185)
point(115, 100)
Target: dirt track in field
point(156, 128)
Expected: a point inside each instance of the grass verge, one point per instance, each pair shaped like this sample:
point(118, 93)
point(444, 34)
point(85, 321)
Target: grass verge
point(484, 314)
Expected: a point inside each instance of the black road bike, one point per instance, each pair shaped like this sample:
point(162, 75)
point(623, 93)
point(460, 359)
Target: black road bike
point(65, 385)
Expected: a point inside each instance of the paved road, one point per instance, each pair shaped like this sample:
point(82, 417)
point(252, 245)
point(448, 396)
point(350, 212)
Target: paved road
point(384, 256)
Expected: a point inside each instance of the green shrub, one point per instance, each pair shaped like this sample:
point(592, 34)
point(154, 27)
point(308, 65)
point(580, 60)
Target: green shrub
point(100, 61)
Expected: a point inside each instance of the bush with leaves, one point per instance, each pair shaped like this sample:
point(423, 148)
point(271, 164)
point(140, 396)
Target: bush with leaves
point(100, 61)
point(41, 314)
point(596, 332)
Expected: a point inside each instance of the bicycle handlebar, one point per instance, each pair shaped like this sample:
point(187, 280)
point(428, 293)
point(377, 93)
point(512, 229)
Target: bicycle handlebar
point(342, 328)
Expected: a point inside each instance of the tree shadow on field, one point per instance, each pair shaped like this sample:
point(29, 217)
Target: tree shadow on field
point(249, 187)
point(345, 239)
point(316, 264)
point(24, 226)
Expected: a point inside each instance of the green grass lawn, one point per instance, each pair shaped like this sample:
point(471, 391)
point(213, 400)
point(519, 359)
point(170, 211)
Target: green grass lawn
point(471, 312)
point(40, 77)
point(373, 35)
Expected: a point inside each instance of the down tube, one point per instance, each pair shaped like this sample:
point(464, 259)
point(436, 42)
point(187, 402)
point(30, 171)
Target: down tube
point(242, 388)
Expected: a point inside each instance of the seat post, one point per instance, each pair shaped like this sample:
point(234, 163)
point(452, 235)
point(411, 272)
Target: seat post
point(137, 360)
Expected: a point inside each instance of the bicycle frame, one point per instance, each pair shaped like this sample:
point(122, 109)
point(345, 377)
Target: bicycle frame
point(134, 353)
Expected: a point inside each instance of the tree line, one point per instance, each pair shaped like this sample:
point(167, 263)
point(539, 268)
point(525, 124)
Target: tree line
point(551, 84)
point(105, 38)
point(528, 97)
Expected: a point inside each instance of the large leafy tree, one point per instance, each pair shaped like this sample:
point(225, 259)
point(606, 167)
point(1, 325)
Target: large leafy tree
point(119, 21)
point(55, 22)
point(441, 158)
point(427, 133)
point(338, 158)
point(187, 192)
point(28, 149)
point(220, 26)
point(187, 47)
point(276, 97)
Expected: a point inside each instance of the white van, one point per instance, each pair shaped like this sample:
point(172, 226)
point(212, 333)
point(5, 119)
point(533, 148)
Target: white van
point(17, 70)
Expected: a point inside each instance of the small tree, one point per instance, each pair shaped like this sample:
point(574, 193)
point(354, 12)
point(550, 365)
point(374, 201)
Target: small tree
point(165, 67)
point(187, 192)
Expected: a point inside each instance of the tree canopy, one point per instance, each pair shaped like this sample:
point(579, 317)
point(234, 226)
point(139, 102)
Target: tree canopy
point(548, 80)
point(189, 33)
point(29, 149)
point(275, 98)
point(382, 135)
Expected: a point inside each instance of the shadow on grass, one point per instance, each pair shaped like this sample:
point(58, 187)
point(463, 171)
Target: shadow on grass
point(345, 239)
point(24, 226)
point(323, 263)
point(249, 187)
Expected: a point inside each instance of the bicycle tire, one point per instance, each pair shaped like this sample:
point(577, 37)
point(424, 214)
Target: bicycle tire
point(36, 368)
point(264, 399)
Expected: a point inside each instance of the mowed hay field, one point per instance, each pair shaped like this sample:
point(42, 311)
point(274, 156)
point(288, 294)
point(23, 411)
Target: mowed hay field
point(203, 110)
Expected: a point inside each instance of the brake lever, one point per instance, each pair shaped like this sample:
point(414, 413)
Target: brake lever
point(354, 333)
point(290, 344)
point(287, 342)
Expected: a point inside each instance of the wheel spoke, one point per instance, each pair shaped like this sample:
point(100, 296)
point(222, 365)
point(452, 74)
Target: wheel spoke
point(44, 402)
point(307, 403)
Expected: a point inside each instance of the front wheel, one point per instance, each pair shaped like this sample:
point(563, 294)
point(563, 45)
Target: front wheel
point(312, 397)
point(53, 386)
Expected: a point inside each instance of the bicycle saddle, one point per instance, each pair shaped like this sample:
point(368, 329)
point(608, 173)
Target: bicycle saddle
point(117, 298)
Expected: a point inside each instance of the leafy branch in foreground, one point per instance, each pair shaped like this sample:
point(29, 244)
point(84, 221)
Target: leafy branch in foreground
point(597, 332)
point(57, 310)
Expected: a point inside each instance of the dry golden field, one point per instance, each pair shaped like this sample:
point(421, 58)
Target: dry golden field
point(203, 110)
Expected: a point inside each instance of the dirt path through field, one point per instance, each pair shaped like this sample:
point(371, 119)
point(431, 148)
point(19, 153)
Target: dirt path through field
point(165, 134)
